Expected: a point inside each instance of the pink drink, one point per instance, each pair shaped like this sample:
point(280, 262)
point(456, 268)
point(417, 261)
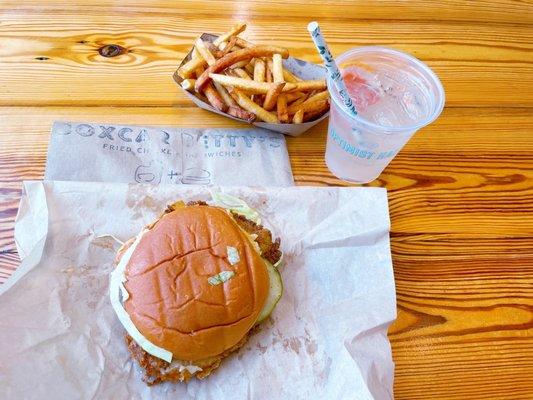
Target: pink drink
point(394, 94)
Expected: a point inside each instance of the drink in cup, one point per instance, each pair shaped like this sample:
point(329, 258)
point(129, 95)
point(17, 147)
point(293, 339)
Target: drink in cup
point(394, 95)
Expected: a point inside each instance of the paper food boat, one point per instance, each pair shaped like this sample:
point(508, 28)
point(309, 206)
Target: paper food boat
point(300, 68)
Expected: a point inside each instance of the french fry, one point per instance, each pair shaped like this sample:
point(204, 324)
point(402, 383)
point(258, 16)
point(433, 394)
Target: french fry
point(268, 71)
point(239, 64)
point(307, 107)
point(242, 114)
point(214, 98)
point(289, 76)
point(316, 113)
point(292, 96)
point(195, 53)
point(303, 85)
point(245, 102)
point(324, 95)
point(237, 28)
point(234, 57)
point(243, 43)
point(242, 73)
point(283, 115)
point(204, 52)
point(240, 83)
point(277, 68)
point(249, 68)
point(271, 98)
point(259, 70)
point(187, 69)
point(298, 102)
point(298, 117)
point(228, 46)
point(224, 95)
point(199, 71)
point(214, 50)
point(188, 84)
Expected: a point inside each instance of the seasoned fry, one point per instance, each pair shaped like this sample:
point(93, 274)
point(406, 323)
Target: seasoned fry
point(249, 68)
point(186, 70)
point(316, 113)
point(292, 96)
point(237, 28)
point(242, 114)
point(214, 50)
point(283, 115)
point(271, 98)
point(228, 46)
point(214, 98)
point(188, 84)
point(268, 70)
point(239, 64)
point(224, 95)
point(324, 95)
point(204, 52)
point(199, 71)
point(277, 68)
point(307, 107)
point(289, 76)
point(303, 85)
point(242, 73)
point(240, 83)
point(245, 102)
point(259, 70)
point(243, 43)
point(235, 57)
point(298, 102)
point(298, 117)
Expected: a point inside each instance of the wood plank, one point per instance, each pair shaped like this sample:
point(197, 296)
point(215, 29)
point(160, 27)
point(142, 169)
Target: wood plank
point(45, 51)
point(486, 11)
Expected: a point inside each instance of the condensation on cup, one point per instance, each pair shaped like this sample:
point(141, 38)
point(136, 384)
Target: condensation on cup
point(395, 95)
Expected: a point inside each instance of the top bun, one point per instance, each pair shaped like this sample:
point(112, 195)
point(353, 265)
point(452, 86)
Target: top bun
point(171, 301)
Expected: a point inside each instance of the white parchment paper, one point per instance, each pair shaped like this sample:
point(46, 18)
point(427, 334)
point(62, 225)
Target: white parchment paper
point(101, 152)
point(326, 339)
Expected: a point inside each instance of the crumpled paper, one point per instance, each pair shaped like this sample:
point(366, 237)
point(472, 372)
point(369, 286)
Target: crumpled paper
point(326, 339)
point(101, 152)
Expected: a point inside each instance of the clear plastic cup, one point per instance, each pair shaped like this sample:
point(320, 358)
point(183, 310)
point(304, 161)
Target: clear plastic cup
point(395, 95)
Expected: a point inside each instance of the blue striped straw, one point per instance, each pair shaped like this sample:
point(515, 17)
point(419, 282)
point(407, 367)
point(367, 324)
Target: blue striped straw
point(330, 65)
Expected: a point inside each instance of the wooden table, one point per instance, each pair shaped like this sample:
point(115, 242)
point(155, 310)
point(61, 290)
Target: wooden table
point(461, 191)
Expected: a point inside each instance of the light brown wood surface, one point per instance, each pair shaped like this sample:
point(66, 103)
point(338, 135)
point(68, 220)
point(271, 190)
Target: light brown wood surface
point(460, 192)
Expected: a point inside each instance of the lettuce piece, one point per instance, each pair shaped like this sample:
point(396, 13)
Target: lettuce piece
point(117, 290)
point(236, 205)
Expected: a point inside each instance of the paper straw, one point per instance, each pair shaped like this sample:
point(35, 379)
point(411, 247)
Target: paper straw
point(330, 65)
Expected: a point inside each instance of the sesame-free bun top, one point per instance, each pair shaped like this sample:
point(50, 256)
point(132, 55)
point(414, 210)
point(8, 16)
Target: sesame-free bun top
point(171, 301)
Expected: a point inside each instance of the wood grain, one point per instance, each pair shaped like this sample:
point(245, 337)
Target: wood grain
point(460, 192)
point(45, 50)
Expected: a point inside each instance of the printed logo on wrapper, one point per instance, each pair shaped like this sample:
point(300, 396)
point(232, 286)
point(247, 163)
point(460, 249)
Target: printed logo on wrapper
point(164, 155)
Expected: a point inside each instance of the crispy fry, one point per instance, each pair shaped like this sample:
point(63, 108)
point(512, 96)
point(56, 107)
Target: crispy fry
point(242, 114)
point(268, 70)
point(271, 98)
point(199, 71)
point(298, 117)
point(323, 95)
point(204, 52)
point(289, 76)
point(245, 102)
point(240, 83)
point(239, 64)
point(228, 100)
point(228, 46)
point(283, 115)
point(214, 50)
point(277, 68)
point(292, 96)
point(243, 43)
point(249, 68)
point(195, 53)
point(214, 98)
point(307, 107)
point(298, 102)
point(242, 73)
point(316, 113)
point(188, 84)
point(237, 28)
point(186, 70)
point(235, 57)
point(259, 70)
point(303, 85)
